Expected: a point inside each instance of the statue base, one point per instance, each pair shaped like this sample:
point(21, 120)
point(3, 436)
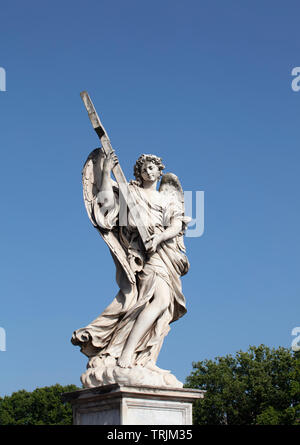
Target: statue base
point(104, 371)
point(132, 405)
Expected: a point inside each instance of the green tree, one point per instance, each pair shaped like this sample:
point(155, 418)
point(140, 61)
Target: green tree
point(43, 406)
point(260, 386)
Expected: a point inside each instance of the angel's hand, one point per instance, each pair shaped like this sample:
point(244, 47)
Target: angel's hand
point(152, 242)
point(110, 161)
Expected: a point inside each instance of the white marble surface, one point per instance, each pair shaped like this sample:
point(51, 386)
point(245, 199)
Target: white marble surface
point(155, 412)
point(131, 405)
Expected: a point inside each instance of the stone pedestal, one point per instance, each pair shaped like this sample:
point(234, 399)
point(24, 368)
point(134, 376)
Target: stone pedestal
point(131, 405)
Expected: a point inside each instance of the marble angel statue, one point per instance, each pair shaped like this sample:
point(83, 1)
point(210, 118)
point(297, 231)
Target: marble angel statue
point(124, 341)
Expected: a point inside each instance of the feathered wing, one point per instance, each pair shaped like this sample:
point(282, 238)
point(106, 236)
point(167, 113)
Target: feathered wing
point(91, 181)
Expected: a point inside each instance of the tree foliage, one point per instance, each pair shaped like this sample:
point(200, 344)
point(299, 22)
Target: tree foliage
point(43, 406)
point(260, 386)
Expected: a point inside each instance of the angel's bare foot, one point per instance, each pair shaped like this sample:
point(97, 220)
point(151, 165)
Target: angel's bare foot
point(125, 361)
point(155, 368)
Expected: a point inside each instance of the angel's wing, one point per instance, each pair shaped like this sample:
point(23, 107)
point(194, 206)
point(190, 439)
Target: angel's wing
point(171, 187)
point(170, 184)
point(91, 180)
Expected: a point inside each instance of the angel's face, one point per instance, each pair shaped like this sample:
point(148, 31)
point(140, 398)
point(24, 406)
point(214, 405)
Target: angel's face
point(150, 172)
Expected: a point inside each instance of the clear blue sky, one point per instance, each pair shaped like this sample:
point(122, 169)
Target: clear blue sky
point(204, 84)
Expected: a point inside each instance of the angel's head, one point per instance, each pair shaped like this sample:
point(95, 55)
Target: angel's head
point(148, 167)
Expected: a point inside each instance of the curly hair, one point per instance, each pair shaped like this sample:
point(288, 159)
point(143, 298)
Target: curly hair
point(137, 170)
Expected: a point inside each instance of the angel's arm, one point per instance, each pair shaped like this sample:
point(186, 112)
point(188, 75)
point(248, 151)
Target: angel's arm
point(105, 196)
point(173, 230)
point(173, 219)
